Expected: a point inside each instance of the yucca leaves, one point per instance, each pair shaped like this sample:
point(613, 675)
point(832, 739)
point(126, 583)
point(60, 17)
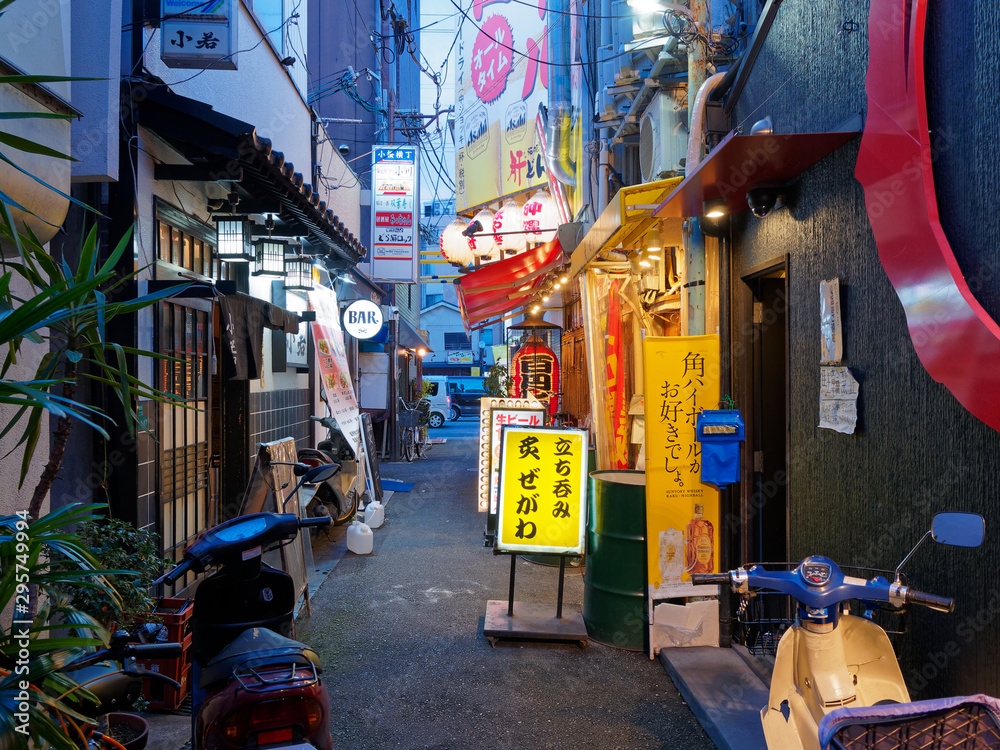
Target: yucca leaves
point(73, 309)
point(56, 559)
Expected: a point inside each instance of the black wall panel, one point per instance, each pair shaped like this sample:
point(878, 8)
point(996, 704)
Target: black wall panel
point(866, 498)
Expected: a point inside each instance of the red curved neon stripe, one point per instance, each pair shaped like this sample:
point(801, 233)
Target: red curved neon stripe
point(956, 339)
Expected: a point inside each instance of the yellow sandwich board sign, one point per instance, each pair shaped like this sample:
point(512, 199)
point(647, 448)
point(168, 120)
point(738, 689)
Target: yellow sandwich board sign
point(543, 490)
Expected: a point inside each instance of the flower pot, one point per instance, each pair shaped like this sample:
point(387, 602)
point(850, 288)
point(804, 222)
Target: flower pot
point(129, 729)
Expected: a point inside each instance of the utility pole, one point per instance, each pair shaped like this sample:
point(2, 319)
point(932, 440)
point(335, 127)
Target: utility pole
point(693, 289)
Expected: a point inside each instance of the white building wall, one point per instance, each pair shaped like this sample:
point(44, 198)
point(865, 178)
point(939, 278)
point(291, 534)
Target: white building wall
point(261, 91)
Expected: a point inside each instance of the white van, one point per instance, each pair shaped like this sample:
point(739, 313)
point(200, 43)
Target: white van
point(437, 393)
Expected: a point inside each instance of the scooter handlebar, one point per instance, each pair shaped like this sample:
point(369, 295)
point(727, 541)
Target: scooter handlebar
point(154, 650)
point(319, 521)
point(171, 576)
point(939, 603)
point(704, 579)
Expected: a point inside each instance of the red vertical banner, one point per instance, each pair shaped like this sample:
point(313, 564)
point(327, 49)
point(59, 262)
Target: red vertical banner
point(615, 374)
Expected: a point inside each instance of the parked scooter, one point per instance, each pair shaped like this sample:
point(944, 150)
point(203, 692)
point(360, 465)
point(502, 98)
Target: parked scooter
point(828, 662)
point(339, 495)
point(114, 678)
point(252, 685)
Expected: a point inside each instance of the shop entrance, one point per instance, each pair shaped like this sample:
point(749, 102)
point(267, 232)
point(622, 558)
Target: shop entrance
point(765, 501)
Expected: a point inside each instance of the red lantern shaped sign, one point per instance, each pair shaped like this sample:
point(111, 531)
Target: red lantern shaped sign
point(535, 370)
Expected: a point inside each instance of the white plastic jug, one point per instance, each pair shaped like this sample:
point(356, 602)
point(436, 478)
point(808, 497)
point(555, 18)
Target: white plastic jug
point(374, 514)
point(360, 539)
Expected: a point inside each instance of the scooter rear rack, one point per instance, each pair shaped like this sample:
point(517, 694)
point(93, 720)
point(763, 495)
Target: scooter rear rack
point(250, 674)
point(970, 723)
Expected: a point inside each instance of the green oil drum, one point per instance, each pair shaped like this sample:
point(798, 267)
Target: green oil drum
point(614, 582)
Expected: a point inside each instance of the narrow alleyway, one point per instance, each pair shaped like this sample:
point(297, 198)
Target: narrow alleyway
point(407, 665)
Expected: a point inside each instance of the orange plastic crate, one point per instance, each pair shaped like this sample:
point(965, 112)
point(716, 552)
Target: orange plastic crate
point(159, 694)
point(175, 614)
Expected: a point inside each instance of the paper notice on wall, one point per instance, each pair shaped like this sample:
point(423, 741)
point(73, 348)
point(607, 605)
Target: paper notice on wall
point(831, 334)
point(838, 399)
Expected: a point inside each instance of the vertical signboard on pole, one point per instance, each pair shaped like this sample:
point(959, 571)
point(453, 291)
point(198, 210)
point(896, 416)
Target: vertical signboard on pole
point(682, 513)
point(395, 219)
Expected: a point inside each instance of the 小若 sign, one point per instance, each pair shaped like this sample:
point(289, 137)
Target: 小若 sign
point(197, 34)
point(394, 217)
point(543, 490)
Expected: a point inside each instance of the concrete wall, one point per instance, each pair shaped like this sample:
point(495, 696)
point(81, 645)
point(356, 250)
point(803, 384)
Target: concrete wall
point(34, 36)
point(866, 498)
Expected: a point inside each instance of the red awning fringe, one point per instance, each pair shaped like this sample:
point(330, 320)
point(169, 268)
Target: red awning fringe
point(500, 287)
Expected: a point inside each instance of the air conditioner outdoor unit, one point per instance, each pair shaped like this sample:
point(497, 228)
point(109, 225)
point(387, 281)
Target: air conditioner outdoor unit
point(663, 137)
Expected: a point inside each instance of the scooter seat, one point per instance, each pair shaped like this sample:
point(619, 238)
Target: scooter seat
point(263, 646)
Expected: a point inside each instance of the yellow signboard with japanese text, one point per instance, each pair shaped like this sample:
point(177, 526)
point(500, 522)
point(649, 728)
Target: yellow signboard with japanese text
point(543, 490)
point(682, 513)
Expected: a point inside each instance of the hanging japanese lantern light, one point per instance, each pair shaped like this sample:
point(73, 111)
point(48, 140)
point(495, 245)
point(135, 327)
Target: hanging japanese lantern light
point(535, 370)
point(455, 245)
point(482, 244)
point(541, 217)
point(508, 226)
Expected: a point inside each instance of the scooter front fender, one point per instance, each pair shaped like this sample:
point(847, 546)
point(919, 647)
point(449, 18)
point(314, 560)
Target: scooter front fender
point(804, 677)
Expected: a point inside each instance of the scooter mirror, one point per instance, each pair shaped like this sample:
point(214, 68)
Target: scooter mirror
point(319, 474)
point(958, 529)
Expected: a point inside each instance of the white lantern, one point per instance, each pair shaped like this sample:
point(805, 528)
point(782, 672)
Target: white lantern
point(482, 244)
point(541, 217)
point(508, 225)
point(455, 246)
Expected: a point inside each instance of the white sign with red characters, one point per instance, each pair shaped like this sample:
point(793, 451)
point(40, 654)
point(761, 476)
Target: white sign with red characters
point(394, 241)
point(499, 418)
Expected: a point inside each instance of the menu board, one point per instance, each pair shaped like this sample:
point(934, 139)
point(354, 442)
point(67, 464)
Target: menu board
point(338, 389)
point(394, 214)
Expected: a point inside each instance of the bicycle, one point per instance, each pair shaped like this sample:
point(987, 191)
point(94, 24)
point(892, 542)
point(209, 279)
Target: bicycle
point(413, 420)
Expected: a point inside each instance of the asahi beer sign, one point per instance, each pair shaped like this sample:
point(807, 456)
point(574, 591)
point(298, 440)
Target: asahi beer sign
point(394, 217)
point(503, 75)
point(197, 34)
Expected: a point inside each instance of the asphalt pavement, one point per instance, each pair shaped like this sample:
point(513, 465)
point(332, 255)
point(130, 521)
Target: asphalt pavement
point(400, 632)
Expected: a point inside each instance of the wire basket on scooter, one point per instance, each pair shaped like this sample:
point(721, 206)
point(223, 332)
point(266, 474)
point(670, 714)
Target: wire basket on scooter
point(762, 618)
point(972, 725)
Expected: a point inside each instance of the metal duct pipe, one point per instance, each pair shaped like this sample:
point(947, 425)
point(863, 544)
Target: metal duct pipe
point(560, 116)
point(698, 122)
point(603, 177)
point(556, 188)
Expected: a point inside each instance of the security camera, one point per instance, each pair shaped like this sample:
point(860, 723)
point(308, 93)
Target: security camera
point(344, 149)
point(763, 199)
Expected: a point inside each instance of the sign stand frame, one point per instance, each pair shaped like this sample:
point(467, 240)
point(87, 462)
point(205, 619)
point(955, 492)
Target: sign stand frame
point(532, 621)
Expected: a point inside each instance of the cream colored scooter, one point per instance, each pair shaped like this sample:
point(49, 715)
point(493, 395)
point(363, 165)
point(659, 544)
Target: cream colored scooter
point(828, 659)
